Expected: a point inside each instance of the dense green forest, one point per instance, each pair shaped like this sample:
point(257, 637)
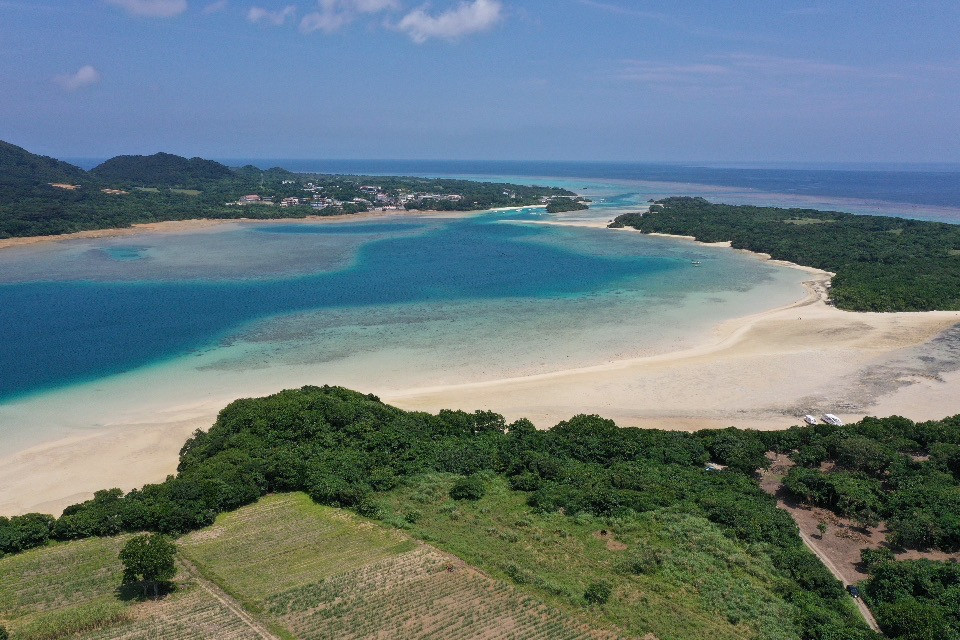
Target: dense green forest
point(135, 189)
point(345, 449)
point(562, 205)
point(161, 170)
point(882, 263)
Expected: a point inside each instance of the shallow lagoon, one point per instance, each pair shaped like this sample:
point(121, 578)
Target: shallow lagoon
point(237, 309)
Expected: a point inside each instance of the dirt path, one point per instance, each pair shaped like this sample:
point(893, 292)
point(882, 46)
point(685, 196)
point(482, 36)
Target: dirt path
point(844, 551)
point(861, 605)
point(227, 601)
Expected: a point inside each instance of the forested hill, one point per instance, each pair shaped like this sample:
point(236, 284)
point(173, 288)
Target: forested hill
point(20, 168)
point(43, 196)
point(882, 263)
point(161, 170)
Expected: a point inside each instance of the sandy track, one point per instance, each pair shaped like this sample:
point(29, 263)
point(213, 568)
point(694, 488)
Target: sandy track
point(235, 607)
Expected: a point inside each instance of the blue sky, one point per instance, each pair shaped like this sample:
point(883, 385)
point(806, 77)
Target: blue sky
point(484, 79)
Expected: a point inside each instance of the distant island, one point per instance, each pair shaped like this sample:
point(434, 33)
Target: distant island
point(44, 196)
point(881, 263)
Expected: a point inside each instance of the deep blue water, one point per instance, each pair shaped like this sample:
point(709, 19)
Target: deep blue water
point(61, 332)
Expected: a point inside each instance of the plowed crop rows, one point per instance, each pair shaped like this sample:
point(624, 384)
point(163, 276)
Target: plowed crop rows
point(192, 615)
point(420, 594)
point(284, 541)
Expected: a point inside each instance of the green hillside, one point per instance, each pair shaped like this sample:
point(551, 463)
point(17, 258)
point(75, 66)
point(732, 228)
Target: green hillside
point(622, 527)
point(20, 169)
point(161, 170)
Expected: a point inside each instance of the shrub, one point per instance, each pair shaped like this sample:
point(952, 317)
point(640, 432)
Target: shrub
point(526, 481)
point(643, 561)
point(369, 508)
point(597, 592)
point(870, 558)
point(468, 488)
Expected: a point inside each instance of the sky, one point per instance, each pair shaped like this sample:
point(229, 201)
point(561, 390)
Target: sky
point(615, 80)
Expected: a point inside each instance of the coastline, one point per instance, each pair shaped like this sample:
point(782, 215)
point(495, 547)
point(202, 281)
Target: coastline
point(762, 370)
point(199, 224)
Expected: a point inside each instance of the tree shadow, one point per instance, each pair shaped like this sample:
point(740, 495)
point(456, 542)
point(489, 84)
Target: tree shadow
point(142, 592)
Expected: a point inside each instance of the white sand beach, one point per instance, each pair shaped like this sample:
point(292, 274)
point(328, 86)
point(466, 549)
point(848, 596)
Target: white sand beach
point(761, 371)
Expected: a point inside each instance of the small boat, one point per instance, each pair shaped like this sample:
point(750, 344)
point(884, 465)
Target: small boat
point(696, 263)
point(829, 418)
point(809, 419)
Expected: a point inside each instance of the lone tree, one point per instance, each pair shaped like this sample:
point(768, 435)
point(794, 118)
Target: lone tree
point(822, 528)
point(149, 560)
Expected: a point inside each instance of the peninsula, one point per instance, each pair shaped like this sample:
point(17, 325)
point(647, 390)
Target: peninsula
point(41, 196)
point(881, 263)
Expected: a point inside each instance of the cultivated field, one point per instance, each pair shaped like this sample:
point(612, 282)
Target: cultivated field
point(70, 590)
point(287, 541)
point(190, 614)
point(325, 573)
point(421, 594)
point(51, 592)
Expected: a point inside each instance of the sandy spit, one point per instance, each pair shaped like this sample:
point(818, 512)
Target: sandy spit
point(760, 371)
point(193, 226)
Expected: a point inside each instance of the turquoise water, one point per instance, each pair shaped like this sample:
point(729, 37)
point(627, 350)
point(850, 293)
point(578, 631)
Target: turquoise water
point(86, 310)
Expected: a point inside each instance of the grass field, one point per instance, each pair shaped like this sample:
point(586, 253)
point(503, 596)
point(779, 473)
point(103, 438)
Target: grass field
point(54, 591)
point(673, 575)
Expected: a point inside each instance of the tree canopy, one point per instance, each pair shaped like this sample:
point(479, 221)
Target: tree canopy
point(881, 263)
point(150, 561)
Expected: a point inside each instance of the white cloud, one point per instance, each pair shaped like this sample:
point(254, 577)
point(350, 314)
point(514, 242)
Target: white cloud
point(215, 7)
point(332, 15)
point(152, 8)
point(465, 18)
point(84, 77)
point(370, 6)
point(276, 18)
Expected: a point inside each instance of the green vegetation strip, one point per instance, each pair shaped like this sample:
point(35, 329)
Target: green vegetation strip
point(881, 263)
point(625, 526)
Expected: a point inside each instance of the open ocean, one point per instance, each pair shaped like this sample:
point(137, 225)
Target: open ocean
point(389, 304)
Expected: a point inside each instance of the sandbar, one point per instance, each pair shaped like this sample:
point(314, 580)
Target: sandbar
point(761, 371)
